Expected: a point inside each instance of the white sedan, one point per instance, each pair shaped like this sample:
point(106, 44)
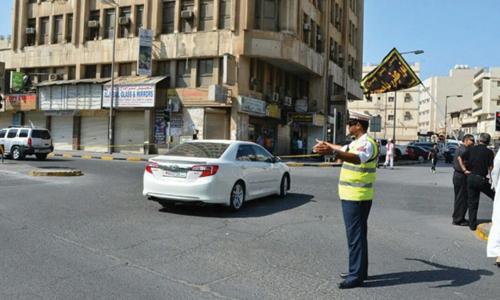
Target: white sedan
point(215, 171)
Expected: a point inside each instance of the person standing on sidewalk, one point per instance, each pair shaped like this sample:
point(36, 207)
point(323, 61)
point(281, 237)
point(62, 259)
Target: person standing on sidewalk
point(493, 248)
point(433, 156)
point(460, 183)
point(389, 154)
point(479, 165)
point(356, 191)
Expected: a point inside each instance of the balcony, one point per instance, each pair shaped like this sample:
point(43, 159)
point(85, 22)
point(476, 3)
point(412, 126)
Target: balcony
point(478, 95)
point(478, 77)
point(477, 112)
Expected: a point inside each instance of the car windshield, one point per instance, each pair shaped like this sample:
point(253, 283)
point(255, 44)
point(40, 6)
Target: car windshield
point(202, 150)
point(40, 134)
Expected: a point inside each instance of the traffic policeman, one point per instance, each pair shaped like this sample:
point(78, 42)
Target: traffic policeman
point(356, 192)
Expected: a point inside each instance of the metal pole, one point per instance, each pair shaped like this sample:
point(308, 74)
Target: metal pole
point(394, 127)
point(335, 126)
point(168, 135)
point(446, 122)
point(111, 116)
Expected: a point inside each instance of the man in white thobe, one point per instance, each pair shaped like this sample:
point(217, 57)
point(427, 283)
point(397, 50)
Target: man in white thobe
point(493, 249)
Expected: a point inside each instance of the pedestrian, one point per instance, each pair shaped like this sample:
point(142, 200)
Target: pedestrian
point(433, 157)
point(479, 165)
point(389, 154)
point(460, 183)
point(356, 192)
point(493, 248)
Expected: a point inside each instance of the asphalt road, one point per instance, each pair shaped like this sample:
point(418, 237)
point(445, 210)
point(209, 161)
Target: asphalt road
point(96, 237)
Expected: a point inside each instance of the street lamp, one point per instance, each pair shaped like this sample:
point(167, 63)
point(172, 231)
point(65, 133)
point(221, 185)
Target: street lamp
point(446, 117)
point(111, 117)
point(416, 52)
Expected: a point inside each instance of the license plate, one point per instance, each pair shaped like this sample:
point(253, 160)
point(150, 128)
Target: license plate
point(175, 174)
point(41, 151)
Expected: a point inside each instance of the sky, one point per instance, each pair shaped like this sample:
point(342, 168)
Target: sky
point(451, 32)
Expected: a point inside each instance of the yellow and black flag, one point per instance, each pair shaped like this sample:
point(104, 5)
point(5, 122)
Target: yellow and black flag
point(393, 74)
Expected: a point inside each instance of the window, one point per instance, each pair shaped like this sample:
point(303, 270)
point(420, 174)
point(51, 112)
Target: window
point(266, 15)
point(319, 40)
point(262, 155)
point(408, 97)
point(43, 75)
point(40, 134)
point(69, 28)
point(225, 14)
point(109, 23)
point(125, 14)
point(183, 73)
point(306, 29)
point(139, 18)
point(44, 31)
point(24, 133)
point(391, 99)
point(57, 36)
point(31, 37)
point(200, 149)
point(205, 72)
point(90, 71)
point(106, 71)
point(408, 116)
point(206, 15)
point(390, 117)
point(93, 31)
point(12, 133)
point(2, 133)
point(71, 73)
point(168, 16)
point(163, 68)
point(187, 23)
point(245, 153)
point(125, 69)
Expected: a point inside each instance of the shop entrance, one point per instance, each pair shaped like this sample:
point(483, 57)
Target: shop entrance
point(263, 131)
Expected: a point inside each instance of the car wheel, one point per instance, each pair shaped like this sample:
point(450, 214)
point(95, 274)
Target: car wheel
point(285, 185)
point(41, 156)
point(237, 196)
point(17, 154)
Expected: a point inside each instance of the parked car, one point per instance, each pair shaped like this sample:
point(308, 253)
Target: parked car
point(21, 141)
point(215, 171)
point(417, 153)
point(400, 150)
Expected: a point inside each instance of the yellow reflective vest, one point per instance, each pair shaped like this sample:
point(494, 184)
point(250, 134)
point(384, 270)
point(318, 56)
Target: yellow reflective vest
point(356, 181)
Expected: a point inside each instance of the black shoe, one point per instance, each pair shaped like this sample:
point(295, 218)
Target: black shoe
point(473, 227)
point(461, 223)
point(345, 275)
point(349, 285)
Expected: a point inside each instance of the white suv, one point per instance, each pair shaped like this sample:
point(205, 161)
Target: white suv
point(21, 141)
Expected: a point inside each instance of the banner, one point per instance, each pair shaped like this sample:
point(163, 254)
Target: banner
point(393, 74)
point(20, 102)
point(145, 59)
point(130, 96)
point(16, 81)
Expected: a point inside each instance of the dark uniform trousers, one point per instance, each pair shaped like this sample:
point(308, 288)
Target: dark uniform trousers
point(475, 185)
point(460, 207)
point(356, 223)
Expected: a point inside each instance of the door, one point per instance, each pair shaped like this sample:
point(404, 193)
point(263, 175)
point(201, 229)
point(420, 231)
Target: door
point(245, 160)
point(9, 140)
point(129, 131)
point(269, 173)
point(216, 124)
point(62, 132)
point(37, 119)
point(94, 133)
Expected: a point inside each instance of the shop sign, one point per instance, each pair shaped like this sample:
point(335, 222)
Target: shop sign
point(70, 97)
point(61, 113)
point(20, 102)
point(302, 118)
point(253, 106)
point(145, 59)
point(160, 127)
point(273, 111)
point(318, 120)
point(130, 96)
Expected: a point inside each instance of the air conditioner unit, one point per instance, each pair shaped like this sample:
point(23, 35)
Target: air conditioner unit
point(287, 101)
point(187, 14)
point(307, 27)
point(93, 24)
point(30, 30)
point(276, 97)
point(53, 77)
point(124, 20)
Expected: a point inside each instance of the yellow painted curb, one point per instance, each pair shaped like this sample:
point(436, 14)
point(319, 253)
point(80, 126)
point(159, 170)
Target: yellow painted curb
point(51, 155)
point(107, 157)
point(87, 156)
point(480, 234)
point(134, 159)
point(65, 155)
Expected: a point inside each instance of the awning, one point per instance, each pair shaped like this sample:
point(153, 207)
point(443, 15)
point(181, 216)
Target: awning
point(137, 80)
point(73, 82)
point(196, 97)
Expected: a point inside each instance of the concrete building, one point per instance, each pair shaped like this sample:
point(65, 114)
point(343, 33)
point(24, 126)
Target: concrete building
point(439, 98)
point(382, 105)
point(233, 69)
point(486, 100)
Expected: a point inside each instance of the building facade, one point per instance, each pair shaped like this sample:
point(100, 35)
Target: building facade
point(438, 98)
point(382, 105)
point(486, 100)
point(230, 69)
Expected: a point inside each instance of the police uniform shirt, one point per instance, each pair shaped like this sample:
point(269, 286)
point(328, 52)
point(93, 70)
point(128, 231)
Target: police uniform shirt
point(365, 148)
